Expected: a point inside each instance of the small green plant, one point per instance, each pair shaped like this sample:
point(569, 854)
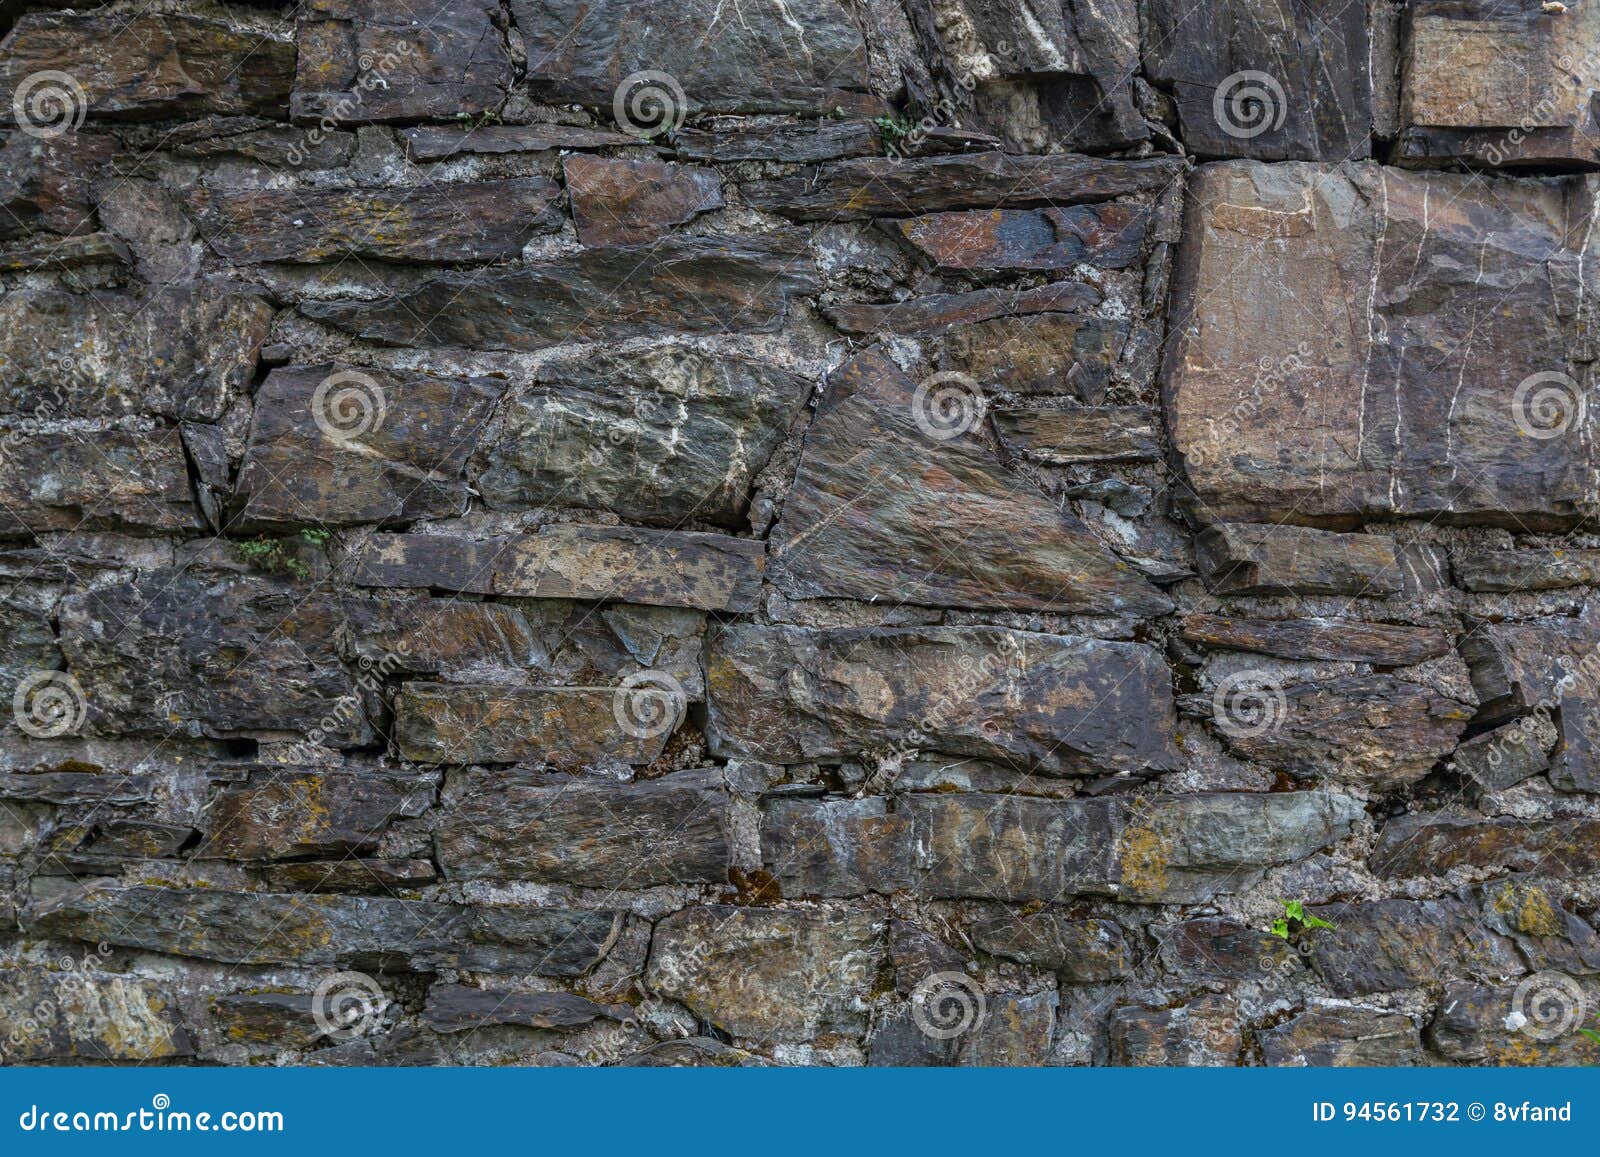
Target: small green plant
point(1294, 919)
point(1592, 1033)
point(277, 554)
point(894, 128)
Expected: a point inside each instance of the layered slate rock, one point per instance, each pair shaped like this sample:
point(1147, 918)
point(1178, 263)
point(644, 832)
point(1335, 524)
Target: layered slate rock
point(47, 184)
point(210, 654)
point(658, 437)
point(1022, 849)
point(1291, 83)
point(1431, 845)
point(1550, 668)
point(1497, 84)
point(1494, 1024)
point(1019, 240)
point(1053, 74)
point(1050, 704)
point(1381, 730)
point(436, 636)
point(562, 726)
point(1358, 342)
point(457, 1008)
point(1343, 1037)
point(594, 832)
point(85, 1016)
point(767, 974)
point(441, 142)
point(687, 285)
point(272, 928)
point(1081, 951)
point(569, 561)
point(1384, 945)
point(1280, 560)
point(102, 478)
point(1510, 571)
point(150, 65)
point(1336, 640)
point(1222, 949)
point(180, 353)
point(622, 202)
point(1090, 434)
point(937, 312)
point(807, 56)
point(280, 813)
point(364, 60)
point(1206, 1032)
point(882, 510)
point(462, 221)
point(858, 189)
point(1048, 353)
point(335, 445)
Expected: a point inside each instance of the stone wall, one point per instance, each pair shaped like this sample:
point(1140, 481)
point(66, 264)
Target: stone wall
point(799, 532)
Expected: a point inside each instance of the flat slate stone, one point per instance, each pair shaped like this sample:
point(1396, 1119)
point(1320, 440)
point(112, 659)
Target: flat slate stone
point(184, 352)
point(316, 931)
point(882, 511)
point(107, 478)
point(589, 832)
point(937, 312)
point(1329, 640)
point(1218, 948)
point(1081, 951)
point(474, 723)
point(1321, 406)
point(1431, 845)
point(635, 202)
point(1385, 945)
point(149, 66)
point(1284, 560)
point(1341, 1038)
point(769, 974)
point(1479, 1023)
point(457, 1008)
point(279, 813)
point(1047, 704)
point(338, 445)
point(1091, 434)
point(570, 561)
point(366, 60)
point(1206, 1032)
point(801, 57)
point(657, 436)
point(683, 285)
point(442, 222)
point(1011, 240)
point(441, 142)
point(855, 190)
point(805, 143)
point(1511, 571)
point(1307, 90)
point(1058, 354)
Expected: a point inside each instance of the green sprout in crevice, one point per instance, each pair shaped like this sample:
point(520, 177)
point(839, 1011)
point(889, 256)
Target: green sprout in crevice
point(278, 554)
point(894, 128)
point(1295, 919)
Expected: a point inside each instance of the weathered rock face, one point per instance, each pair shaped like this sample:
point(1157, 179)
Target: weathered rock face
point(1069, 705)
point(1355, 399)
point(746, 534)
point(882, 509)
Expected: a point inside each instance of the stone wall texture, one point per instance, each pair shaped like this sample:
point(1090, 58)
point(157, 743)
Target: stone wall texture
point(839, 532)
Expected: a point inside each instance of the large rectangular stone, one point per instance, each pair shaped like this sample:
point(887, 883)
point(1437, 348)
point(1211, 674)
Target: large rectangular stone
point(1044, 704)
point(599, 833)
point(1385, 945)
point(1360, 342)
point(1434, 844)
point(569, 561)
point(116, 479)
point(1282, 560)
point(563, 726)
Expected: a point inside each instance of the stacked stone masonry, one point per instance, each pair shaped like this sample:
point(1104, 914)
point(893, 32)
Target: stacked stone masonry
point(893, 532)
